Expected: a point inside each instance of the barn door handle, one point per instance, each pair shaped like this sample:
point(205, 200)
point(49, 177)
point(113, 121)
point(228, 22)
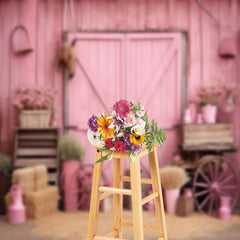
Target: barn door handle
point(71, 127)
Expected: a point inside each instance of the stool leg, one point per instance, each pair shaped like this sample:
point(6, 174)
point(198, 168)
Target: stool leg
point(136, 199)
point(94, 206)
point(117, 198)
point(156, 185)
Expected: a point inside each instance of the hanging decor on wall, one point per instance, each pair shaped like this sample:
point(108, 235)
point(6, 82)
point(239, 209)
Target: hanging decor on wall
point(20, 42)
point(67, 57)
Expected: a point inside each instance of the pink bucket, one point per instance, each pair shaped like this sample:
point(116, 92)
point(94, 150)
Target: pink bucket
point(16, 211)
point(209, 113)
point(171, 197)
point(70, 184)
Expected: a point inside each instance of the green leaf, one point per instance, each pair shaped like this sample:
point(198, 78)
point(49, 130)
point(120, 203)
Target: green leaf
point(132, 156)
point(104, 148)
point(106, 157)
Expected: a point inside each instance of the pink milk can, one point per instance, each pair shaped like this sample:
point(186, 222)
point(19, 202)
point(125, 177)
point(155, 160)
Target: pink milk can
point(16, 211)
point(225, 208)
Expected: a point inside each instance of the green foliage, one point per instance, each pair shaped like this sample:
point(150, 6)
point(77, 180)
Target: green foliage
point(106, 157)
point(132, 156)
point(70, 148)
point(5, 164)
point(155, 135)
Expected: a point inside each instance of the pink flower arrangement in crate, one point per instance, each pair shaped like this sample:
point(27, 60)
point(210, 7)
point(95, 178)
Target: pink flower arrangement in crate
point(125, 129)
point(35, 106)
point(209, 93)
point(38, 98)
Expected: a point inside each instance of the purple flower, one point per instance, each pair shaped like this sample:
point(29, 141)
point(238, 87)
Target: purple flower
point(92, 124)
point(136, 148)
point(126, 148)
point(127, 140)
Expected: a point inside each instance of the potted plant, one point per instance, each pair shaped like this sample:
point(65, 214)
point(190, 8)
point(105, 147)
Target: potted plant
point(35, 106)
point(5, 169)
point(172, 179)
point(71, 152)
point(209, 94)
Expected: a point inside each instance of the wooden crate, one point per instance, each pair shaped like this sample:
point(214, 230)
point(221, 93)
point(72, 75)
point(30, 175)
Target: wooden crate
point(204, 137)
point(38, 146)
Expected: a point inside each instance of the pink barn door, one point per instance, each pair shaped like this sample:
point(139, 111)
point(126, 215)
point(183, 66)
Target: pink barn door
point(145, 67)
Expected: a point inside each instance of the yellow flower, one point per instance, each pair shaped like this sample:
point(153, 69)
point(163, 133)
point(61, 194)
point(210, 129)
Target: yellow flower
point(137, 139)
point(104, 130)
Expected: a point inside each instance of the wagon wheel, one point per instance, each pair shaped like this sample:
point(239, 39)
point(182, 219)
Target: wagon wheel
point(214, 177)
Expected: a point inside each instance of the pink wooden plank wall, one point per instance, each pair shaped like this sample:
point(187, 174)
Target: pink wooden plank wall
point(44, 19)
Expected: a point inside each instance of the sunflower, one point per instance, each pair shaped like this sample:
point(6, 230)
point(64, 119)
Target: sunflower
point(103, 127)
point(137, 139)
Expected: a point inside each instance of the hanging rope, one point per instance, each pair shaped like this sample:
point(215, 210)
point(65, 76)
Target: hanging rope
point(65, 14)
point(200, 4)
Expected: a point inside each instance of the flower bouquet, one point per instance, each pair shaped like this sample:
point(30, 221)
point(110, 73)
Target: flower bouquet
point(209, 93)
point(126, 129)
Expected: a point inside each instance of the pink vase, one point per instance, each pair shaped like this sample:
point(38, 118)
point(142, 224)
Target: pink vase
point(171, 197)
point(209, 113)
point(70, 184)
point(16, 211)
point(224, 211)
point(187, 116)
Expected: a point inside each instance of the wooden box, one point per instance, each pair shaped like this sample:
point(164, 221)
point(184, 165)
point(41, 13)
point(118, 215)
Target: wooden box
point(203, 137)
point(35, 146)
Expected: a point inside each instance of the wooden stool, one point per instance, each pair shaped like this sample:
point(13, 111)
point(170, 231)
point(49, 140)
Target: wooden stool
point(100, 192)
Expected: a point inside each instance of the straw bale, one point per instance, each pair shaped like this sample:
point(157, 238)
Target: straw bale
point(42, 202)
point(8, 199)
point(25, 178)
point(40, 177)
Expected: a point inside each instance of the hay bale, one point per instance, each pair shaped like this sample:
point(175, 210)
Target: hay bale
point(40, 177)
point(24, 177)
point(42, 202)
point(185, 206)
point(8, 199)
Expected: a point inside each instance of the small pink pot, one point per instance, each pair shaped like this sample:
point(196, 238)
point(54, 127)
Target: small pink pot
point(171, 197)
point(209, 113)
point(70, 184)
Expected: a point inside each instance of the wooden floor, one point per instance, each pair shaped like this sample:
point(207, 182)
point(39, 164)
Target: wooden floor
point(73, 226)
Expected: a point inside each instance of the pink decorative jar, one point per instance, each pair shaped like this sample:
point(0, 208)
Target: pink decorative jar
point(209, 113)
point(16, 211)
point(187, 116)
point(224, 211)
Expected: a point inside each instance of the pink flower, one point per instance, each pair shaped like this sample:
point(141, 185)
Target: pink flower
point(141, 122)
point(140, 113)
point(122, 108)
point(130, 120)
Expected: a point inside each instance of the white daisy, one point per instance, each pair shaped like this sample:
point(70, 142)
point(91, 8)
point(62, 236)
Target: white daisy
point(94, 138)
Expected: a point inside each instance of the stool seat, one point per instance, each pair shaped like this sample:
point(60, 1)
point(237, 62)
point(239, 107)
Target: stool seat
point(101, 192)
